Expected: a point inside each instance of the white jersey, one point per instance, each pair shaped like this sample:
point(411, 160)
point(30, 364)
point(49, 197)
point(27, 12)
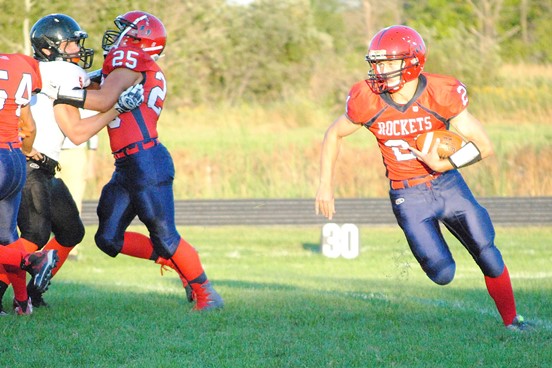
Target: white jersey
point(49, 137)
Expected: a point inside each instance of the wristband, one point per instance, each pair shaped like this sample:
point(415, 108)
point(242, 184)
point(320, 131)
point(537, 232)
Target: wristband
point(73, 97)
point(465, 156)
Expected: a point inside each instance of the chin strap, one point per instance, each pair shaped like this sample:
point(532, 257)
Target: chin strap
point(465, 156)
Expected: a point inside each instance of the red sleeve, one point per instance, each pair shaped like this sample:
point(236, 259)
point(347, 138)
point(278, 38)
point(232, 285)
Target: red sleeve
point(449, 96)
point(361, 103)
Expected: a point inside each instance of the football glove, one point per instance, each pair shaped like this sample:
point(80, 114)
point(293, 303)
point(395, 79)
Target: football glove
point(130, 99)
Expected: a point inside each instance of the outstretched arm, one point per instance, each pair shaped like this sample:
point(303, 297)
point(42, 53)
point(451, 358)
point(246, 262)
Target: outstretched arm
point(101, 99)
point(114, 84)
point(340, 128)
point(81, 130)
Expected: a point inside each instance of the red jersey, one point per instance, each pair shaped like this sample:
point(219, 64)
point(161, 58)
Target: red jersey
point(139, 124)
point(19, 78)
point(437, 100)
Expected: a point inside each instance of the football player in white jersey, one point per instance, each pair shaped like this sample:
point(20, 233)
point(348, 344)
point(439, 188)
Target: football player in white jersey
point(47, 206)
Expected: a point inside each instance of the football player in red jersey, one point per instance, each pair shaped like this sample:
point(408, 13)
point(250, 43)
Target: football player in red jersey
point(144, 172)
point(19, 79)
point(397, 103)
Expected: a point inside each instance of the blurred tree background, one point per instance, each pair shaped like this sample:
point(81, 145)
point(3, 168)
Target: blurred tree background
point(263, 50)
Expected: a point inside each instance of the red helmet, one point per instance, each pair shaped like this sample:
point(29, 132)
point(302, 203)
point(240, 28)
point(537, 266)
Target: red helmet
point(137, 28)
point(395, 43)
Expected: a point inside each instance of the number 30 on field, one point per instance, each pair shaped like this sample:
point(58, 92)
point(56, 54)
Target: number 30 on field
point(340, 241)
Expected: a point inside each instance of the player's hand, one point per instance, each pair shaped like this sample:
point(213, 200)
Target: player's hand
point(34, 154)
point(130, 99)
point(432, 158)
point(325, 203)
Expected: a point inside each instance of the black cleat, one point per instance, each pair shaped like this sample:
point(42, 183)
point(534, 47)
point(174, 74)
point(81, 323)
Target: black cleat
point(40, 266)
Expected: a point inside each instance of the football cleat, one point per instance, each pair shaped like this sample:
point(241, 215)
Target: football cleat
point(206, 297)
point(519, 324)
point(2, 312)
point(40, 266)
point(36, 296)
point(23, 308)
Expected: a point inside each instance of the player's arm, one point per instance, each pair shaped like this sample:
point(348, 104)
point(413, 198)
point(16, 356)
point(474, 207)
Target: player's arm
point(80, 130)
point(27, 128)
point(101, 99)
point(471, 129)
point(114, 84)
point(479, 145)
point(331, 144)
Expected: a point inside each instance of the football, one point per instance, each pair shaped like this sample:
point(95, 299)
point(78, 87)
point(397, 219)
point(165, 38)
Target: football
point(450, 142)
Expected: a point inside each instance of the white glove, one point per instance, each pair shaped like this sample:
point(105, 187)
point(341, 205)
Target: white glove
point(131, 98)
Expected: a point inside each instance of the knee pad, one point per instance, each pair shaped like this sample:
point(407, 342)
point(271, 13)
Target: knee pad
point(442, 273)
point(108, 246)
point(490, 261)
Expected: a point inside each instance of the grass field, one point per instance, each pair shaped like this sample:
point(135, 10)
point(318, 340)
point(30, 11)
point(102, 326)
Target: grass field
point(288, 306)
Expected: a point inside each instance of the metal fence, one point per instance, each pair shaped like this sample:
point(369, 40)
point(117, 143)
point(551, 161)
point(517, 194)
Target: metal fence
point(511, 211)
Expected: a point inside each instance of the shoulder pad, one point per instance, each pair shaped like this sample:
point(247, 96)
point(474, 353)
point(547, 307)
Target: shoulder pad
point(63, 74)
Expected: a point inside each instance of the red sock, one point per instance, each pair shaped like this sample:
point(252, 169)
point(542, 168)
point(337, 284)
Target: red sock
point(500, 289)
point(186, 262)
point(18, 279)
point(11, 255)
point(62, 252)
point(137, 245)
point(4, 275)
point(29, 245)
point(16, 276)
point(4, 279)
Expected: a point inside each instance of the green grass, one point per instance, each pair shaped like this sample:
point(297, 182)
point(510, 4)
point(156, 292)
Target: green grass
point(287, 306)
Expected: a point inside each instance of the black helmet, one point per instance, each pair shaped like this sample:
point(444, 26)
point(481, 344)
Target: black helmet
point(50, 31)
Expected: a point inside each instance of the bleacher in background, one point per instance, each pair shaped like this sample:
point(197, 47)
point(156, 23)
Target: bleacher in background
point(510, 211)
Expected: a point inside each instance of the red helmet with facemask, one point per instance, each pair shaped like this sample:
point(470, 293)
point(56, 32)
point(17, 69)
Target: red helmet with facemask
point(138, 29)
point(395, 43)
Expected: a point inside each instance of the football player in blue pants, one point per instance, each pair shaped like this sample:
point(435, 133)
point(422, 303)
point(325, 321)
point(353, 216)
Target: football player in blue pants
point(397, 103)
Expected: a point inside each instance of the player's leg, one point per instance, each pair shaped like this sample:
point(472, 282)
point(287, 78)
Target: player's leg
point(416, 212)
point(140, 246)
point(111, 236)
point(68, 230)
point(8, 256)
point(115, 213)
point(67, 225)
point(12, 179)
point(34, 218)
point(472, 226)
point(154, 204)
